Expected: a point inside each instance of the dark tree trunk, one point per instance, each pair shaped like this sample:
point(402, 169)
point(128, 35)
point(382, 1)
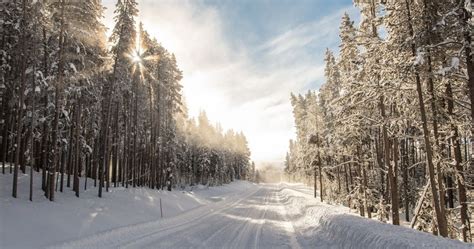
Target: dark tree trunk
point(394, 184)
point(440, 217)
point(364, 184)
point(442, 201)
point(77, 150)
point(33, 125)
point(465, 19)
point(391, 175)
point(404, 149)
point(20, 100)
point(459, 169)
point(315, 171)
point(321, 190)
point(70, 158)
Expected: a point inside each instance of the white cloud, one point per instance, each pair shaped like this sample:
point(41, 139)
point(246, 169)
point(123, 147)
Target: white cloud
point(323, 31)
point(242, 88)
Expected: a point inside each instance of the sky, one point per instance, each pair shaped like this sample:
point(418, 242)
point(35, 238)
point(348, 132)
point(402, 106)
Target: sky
point(241, 59)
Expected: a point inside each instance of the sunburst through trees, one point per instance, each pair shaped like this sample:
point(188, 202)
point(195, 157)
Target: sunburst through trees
point(71, 108)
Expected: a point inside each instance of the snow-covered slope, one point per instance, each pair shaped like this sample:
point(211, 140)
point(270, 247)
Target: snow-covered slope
point(320, 225)
point(35, 225)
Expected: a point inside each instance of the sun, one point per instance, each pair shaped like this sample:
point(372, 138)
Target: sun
point(136, 57)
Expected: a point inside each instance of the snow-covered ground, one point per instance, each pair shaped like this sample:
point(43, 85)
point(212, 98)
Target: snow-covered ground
point(36, 225)
point(320, 225)
point(237, 215)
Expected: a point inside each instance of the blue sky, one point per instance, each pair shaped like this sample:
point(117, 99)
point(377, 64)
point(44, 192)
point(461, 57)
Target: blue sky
point(242, 58)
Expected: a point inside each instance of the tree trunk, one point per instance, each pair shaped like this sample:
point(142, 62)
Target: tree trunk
point(394, 184)
point(69, 158)
point(391, 175)
point(58, 107)
point(315, 186)
point(5, 140)
point(459, 168)
point(465, 18)
point(440, 218)
point(103, 162)
point(366, 202)
point(115, 147)
point(33, 125)
point(135, 133)
point(77, 148)
point(346, 179)
point(405, 162)
point(321, 190)
point(20, 100)
point(442, 201)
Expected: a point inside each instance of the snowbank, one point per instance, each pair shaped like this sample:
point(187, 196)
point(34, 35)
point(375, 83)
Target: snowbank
point(37, 224)
point(326, 226)
point(349, 231)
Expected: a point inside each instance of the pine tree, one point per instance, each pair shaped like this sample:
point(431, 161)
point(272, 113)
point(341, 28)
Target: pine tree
point(375, 127)
point(123, 37)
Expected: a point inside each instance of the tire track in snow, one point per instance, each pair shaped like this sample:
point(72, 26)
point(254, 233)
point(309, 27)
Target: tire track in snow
point(225, 229)
point(148, 238)
point(120, 237)
point(259, 230)
point(232, 228)
point(246, 228)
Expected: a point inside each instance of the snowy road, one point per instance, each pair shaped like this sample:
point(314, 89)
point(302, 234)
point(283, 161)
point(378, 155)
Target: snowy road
point(264, 216)
point(252, 219)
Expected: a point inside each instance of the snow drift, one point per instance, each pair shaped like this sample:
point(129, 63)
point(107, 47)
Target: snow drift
point(322, 225)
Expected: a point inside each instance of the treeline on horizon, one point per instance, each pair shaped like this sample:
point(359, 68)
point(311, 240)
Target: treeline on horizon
point(74, 106)
point(390, 131)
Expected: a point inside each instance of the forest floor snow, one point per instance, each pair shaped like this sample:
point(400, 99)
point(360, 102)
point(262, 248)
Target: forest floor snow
point(236, 215)
point(37, 224)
